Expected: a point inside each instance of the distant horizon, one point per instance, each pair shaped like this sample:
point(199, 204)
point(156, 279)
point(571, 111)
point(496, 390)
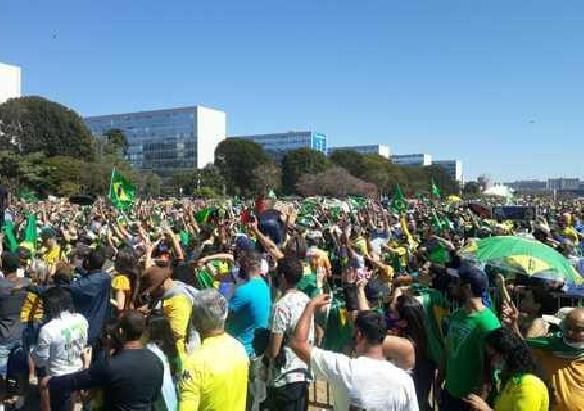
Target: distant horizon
point(497, 84)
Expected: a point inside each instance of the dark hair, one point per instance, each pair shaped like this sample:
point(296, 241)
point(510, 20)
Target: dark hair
point(518, 358)
point(127, 263)
point(132, 325)
point(110, 339)
point(57, 300)
point(372, 325)
point(411, 311)
point(296, 247)
point(475, 278)
point(291, 269)
point(160, 333)
point(10, 262)
point(250, 261)
point(94, 261)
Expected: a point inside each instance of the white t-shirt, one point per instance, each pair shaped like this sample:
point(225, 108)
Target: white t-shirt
point(364, 383)
point(287, 312)
point(61, 343)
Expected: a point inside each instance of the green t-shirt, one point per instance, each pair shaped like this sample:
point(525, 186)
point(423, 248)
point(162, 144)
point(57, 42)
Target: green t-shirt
point(465, 349)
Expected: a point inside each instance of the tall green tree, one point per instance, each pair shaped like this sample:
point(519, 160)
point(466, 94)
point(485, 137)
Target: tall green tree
point(350, 160)
point(117, 138)
point(267, 176)
point(236, 160)
point(301, 161)
point(35, 124)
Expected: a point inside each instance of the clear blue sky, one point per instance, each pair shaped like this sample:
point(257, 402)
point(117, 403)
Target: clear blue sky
point(498, 84)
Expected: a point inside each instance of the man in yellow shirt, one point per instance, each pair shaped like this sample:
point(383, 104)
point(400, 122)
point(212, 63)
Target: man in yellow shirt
point(214, 376)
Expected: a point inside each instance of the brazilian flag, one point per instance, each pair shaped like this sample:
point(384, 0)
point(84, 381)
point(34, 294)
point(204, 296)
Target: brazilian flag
point(122, 193)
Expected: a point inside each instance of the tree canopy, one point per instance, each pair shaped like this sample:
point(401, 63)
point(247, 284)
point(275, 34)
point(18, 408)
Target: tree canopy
point(35, 124)
point(236, 160)
point(301, 161)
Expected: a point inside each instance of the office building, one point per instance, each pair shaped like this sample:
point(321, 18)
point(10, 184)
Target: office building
point(412, 159)
point(165, 141)
point(528, 186)
point(452, 167)
point(378, 149)
point(9, 82)
point(564, 184)
point(277, 144)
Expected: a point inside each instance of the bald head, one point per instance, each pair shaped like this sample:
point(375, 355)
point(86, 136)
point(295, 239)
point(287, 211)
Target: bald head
point(574, 325)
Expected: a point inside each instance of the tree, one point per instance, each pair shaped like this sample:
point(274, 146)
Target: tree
point(212, 178)
point(117, 138)
point(301, 161)
point(149, 184)
point(236, 159)
point(335, 182)
point(35, 124)
point(205, 193)
point(350, 160)
point(376, 169)
point(266, 177)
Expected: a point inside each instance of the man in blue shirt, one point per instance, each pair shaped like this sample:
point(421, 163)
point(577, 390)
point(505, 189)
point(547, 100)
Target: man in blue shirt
point(248, 318)
point(249, 307)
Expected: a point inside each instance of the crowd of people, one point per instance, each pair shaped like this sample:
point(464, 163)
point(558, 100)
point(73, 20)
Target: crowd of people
point(179, 304)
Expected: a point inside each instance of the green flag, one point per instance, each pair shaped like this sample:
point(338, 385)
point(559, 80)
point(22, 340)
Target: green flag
point(398, 203)
point(203, 215)
point(435, 190)
point(30, 231)
point(9, 236)
point(122, 193)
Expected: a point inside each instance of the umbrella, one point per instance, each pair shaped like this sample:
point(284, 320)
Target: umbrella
point(526, 256)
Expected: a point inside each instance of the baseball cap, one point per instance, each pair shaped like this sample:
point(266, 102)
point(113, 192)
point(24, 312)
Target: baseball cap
point(48, 232)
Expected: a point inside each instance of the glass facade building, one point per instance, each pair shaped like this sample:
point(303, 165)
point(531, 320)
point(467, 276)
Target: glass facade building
point(412, 159)
point(165, 141)
point(277, 144)
point(452, 167)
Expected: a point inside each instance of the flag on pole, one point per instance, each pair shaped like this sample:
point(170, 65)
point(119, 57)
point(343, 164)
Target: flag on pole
point(398, 203)
point(122, 193)
point(435, 190)
point(30, 230)
point(9, 236)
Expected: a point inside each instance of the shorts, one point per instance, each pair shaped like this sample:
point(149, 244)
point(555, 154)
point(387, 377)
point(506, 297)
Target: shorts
point(4, 354)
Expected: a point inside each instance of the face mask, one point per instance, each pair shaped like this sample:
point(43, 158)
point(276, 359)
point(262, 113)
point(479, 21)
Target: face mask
point(576, 345)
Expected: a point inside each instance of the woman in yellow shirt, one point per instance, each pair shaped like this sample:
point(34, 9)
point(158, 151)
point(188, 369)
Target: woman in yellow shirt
point(522, 382)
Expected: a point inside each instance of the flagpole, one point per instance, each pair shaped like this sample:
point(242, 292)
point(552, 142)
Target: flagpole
point(109, 194)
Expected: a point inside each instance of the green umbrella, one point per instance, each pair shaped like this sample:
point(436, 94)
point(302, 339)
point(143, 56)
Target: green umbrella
point(526, 256)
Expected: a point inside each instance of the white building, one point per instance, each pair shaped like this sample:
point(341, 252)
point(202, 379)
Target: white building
point(9, 82)
point(165, 141)
point(412, 159)
point(452, 167)
point(378, 149)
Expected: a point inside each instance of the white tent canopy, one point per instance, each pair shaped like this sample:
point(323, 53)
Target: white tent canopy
point(499, 191)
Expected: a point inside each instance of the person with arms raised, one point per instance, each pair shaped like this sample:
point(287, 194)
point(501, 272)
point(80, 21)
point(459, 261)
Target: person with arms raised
point(368, 382)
